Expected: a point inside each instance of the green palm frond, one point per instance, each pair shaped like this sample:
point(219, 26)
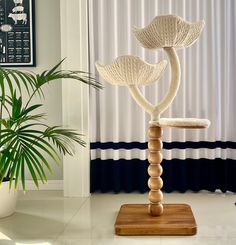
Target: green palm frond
point(11, 79)
point(25, 141)
point(55, 74)
point(29, 147)
point(26, 146)
point(63, 139)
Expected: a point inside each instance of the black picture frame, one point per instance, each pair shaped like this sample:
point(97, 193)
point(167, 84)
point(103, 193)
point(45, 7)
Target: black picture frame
point(17, 33)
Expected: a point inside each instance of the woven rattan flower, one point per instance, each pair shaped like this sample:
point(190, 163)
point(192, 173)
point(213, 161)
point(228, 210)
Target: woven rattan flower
point(168, 31)
point(131, 70)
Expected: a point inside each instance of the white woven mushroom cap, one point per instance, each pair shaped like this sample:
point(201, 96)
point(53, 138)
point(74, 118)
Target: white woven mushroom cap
point(131, 70)
point(168, 31)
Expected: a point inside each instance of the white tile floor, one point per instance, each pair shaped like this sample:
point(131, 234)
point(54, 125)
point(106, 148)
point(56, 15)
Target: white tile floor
point(46, 218)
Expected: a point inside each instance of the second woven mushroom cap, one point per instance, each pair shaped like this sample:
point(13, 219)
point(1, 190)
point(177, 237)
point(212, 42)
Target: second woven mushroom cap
point(168, 31)
point(131, 70)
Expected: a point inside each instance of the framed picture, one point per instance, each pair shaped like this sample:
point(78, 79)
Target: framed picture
point(17, 34)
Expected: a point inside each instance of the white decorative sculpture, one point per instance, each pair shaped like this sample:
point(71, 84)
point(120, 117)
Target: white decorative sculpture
point(167, 32)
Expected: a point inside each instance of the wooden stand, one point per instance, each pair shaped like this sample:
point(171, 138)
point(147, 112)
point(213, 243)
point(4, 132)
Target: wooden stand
point(177, 219)
point(155, 218)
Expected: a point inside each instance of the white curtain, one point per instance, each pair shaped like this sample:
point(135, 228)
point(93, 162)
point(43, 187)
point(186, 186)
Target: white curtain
point(208, 84)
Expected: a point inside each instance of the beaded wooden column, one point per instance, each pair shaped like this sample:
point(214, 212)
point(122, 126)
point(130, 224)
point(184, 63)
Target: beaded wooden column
point(155, 183)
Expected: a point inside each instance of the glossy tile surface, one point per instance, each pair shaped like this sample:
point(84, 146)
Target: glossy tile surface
point(48, 218)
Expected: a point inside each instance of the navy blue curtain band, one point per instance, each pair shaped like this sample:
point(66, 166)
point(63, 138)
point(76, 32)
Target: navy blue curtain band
point(118, 145)
point(166, 145)
point(178, 175)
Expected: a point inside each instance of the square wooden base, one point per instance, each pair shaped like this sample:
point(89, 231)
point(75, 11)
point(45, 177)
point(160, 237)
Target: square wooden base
point(177, 219)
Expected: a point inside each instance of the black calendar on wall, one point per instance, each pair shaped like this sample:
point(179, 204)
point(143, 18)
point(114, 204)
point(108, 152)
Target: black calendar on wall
point(17, 41)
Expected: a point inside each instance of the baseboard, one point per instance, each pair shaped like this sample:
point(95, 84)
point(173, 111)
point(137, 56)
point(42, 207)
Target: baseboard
point(51, 185)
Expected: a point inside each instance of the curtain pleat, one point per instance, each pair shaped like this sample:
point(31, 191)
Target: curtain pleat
point(193, 159)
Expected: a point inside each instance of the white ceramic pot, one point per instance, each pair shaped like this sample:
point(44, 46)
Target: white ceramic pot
point(8, 200)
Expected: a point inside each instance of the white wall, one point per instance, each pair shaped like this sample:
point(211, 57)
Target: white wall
point(64, 33)
point(48, 53)
point(75, 96)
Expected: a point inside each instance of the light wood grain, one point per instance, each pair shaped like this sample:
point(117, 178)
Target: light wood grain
point(155, 157)
point(155, 196)
point(155, 170)
point(155, 208)
point(155, 182)
point(177, 219)
point(155, 132)
point(155, 144)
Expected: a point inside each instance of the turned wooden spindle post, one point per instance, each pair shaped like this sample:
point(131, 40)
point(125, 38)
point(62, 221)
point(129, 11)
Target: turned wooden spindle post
point(155, 183)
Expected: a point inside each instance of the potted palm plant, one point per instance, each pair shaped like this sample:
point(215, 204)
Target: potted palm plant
point(26, 141)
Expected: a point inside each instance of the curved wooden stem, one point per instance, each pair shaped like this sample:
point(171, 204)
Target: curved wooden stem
point(155, 182)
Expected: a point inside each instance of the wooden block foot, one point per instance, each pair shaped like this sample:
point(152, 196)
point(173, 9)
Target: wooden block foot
point(134, 219)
